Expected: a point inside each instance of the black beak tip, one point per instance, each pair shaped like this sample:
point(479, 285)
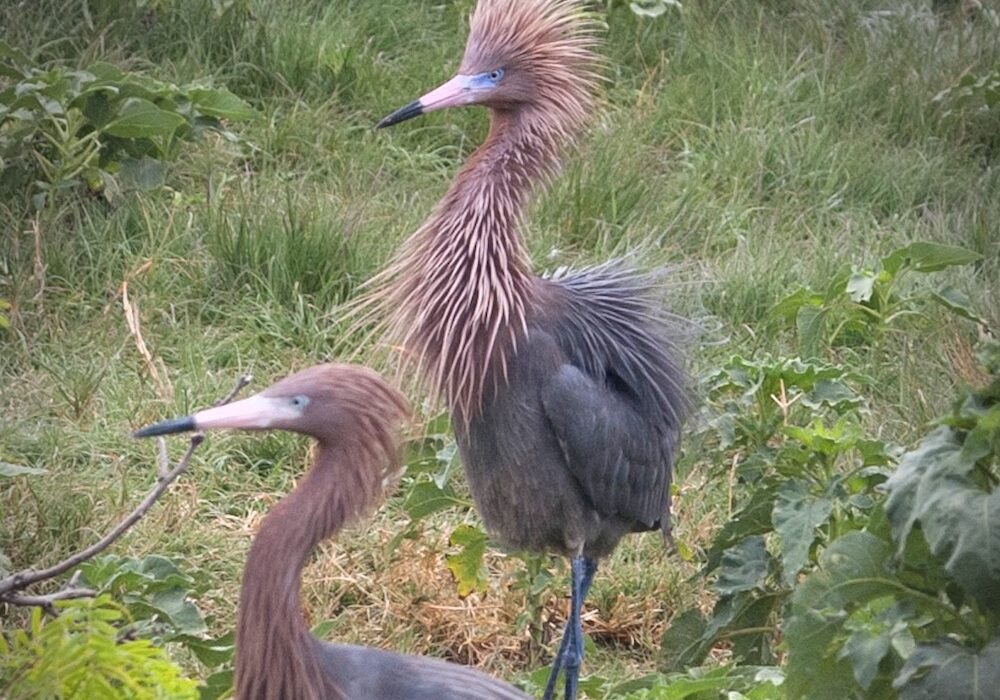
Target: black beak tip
point(167, 427)
point(414, 109)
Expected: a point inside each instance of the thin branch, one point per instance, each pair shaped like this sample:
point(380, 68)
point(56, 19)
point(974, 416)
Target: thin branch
point(165, 476)
point(241, 384)
point(47, 601)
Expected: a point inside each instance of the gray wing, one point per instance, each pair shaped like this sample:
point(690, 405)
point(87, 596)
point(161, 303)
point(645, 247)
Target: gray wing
point(364, 673)
point(619, 457)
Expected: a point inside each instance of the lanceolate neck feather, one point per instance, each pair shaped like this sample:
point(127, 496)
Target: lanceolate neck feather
point(460, 292)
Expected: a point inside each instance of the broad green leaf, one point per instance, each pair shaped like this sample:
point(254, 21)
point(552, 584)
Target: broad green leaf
point(754, 638)
point(7, 469)
point(97, 108)
point(810, 322)
point(833, 394)
point(221, 103)
point(467, 566)
point(960, 521)
point(851, 572)
point(945, 669)
point(139, 118)
point(796, 515)
point(144, 174)
point(216, 686)
point(682, 645)
point(107, 72)
point(754, 518)
point(447, 457)
point(648, 8)
point(184, 614)
point(789, 306)
point(956, 301)
point(865, 649)
point(214, 652)
point(744, 567)
point(426, 498)
point(924, 256)
point(860, 286)
point(873, 636)
point(9, 53)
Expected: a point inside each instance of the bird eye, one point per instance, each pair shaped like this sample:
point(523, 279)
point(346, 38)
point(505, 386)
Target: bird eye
point(496, 75)
point(300, 401)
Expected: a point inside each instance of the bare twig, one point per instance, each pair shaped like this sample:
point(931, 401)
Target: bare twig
point(241, 384)
point(39, 271)
point(47, 601)
point(166, 475)
point(135, 328)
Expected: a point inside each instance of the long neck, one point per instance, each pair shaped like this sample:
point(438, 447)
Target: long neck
point(275, 653)
point(460, 292)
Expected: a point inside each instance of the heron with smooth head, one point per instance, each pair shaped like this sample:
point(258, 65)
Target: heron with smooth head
point(354, 416)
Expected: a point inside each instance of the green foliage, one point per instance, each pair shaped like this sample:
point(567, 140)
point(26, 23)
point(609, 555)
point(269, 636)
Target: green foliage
point(157, 596)
point(859, 306)
point(100, 126)
point(8, 470)
point(910, 606)
point(973, 103)
point(83, 654)
point(153, 589)
point(764, 146)
point(733, 682)
point(972, 92)
point(809, 475)
point(467, 566)
point(650, 8)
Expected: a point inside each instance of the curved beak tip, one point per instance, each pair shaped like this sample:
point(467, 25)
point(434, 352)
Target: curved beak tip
point(167, 427)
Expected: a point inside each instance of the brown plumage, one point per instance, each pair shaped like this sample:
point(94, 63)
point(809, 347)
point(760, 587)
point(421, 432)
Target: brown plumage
point(457, 295)
point(567, 394)
point(354, 417)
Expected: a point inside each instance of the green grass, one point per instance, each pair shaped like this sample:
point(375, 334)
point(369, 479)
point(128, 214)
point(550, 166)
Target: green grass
point(757, 146)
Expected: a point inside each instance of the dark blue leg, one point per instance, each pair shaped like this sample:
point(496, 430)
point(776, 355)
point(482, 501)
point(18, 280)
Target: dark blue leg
point(583, 575)
point(570, 652)
point(550, 686)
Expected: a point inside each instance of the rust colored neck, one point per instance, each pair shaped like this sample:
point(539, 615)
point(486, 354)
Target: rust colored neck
point(461, 291)
point(276, 656)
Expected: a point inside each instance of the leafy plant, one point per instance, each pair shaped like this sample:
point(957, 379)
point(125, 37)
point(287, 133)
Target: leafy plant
point(83, 654)
point(857, 307)
point(909, 607)
point(157, 596)
point(733, 682)
point(99, 126)
point(650, 8)
point(973, 92)
point(802, 473)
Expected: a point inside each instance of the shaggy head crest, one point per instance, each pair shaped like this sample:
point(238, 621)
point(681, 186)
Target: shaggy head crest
point(545, 50)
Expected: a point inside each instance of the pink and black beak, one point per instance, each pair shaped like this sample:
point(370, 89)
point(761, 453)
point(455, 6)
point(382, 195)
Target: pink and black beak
point(254, 413)
point(459, 91)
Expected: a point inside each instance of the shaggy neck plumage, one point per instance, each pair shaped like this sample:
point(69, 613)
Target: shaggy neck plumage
point(460, 291)
point(275, 657)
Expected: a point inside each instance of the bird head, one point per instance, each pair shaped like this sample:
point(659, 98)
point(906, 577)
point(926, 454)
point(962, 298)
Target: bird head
point(327, 402)
point(522, 55)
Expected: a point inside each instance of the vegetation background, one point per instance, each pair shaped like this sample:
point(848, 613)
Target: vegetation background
point(774, 153)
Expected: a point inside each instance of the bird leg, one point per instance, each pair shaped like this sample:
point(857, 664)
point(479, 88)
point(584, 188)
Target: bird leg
point(571, 649)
